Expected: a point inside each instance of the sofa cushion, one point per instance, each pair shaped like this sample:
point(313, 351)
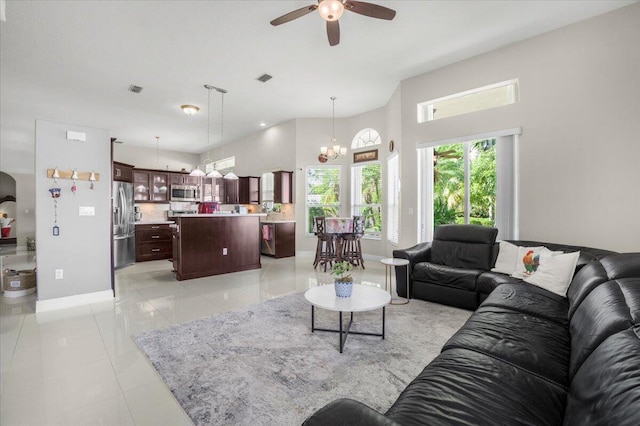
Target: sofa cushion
point(464, 246)
point(535, 344)
point(554, 272)
point(446, 275)
point(609, 308)
point(531, 300)
point(488, 281)
point(606, 388)
point(587, 254)
point(463, 387)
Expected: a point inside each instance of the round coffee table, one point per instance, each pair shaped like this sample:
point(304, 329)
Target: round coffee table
point(363, 298)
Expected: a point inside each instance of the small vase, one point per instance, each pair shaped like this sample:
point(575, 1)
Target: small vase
point(343, 289)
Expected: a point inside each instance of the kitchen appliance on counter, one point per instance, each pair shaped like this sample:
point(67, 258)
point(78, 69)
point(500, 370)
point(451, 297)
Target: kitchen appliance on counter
point(185, 193)
point(124, 214)
point(208, 207)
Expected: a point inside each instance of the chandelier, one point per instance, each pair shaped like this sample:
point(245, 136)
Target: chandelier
point(335, 150)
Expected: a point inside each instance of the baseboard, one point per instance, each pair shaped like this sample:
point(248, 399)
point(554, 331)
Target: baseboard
point(71, 301)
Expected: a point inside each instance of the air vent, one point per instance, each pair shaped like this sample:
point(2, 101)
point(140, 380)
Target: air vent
point(264, 78)
point(135, 89)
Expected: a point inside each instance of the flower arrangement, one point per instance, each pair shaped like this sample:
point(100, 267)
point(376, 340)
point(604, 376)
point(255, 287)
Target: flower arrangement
point(340, 270)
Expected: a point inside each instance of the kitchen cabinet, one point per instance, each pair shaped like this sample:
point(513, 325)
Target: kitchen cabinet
point(151, 186)
point(283, 187)
point(183, 179)
point(278, 239)
point(153, 242)
point(122, 172)
point(249, 190)
point(213, 245)
point(231, 189)
point(212, 189)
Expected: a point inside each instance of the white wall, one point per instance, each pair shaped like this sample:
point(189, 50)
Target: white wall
point(145, 158)
point(580, 146)
point(83, 248)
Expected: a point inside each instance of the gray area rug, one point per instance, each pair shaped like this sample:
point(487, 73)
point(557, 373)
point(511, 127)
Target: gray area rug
point(261, 365)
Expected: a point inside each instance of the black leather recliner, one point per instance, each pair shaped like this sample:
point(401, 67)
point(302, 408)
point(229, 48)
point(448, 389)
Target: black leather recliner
point(530, 357)
point(455, 268)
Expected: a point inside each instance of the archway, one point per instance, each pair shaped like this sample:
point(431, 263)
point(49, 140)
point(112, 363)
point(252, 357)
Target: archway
point(8, 209)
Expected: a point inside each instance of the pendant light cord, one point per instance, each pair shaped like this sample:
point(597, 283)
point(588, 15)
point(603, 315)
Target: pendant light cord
point(333, 119)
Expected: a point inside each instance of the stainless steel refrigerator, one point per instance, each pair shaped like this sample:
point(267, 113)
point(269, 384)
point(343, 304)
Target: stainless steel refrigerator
point(124, 239)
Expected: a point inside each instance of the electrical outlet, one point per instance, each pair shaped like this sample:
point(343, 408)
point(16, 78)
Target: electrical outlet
point(59, 274)
point(224, 251)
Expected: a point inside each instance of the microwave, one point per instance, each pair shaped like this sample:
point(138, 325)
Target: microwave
point(185, 193)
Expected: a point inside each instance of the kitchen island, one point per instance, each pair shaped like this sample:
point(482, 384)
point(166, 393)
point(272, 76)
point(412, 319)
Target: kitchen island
point(213, 244)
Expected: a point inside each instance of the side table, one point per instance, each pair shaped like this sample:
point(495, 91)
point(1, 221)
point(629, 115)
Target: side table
point(390, 264)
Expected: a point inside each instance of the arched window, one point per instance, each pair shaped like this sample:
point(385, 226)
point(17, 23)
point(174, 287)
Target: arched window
point(365, 138)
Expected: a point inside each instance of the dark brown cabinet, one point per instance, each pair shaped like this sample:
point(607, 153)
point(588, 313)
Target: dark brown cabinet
point(249, 190)
point(278, 239)
point(150, 185)
point(205, 246)
point(183, 179)
point(231, 190)
point(283, 187)
point(122, 172)
point(153, 242)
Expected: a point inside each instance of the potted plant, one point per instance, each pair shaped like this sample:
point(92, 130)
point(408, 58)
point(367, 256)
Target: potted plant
point(343, 281)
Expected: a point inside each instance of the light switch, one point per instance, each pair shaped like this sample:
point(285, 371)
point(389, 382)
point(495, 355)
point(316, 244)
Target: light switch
point(87, 211)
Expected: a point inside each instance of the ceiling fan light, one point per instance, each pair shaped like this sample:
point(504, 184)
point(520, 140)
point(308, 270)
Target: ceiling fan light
point(331, 10)
point(189, 109)
point(197, 172)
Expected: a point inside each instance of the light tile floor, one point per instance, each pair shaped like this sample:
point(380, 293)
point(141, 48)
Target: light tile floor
point(79, 366)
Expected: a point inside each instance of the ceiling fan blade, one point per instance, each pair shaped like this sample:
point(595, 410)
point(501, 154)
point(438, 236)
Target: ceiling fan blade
point(294, 15)
point(370, 9)
point(333, 32)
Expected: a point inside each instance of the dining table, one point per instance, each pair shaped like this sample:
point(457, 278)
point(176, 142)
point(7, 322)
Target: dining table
point(338, 228)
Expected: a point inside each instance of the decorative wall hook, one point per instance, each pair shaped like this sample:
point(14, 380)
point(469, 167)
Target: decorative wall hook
point(56, 173)
point(74, 175)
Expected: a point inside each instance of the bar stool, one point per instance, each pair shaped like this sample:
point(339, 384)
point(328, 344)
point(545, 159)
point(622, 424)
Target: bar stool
point(326, 247)
point(351, 247)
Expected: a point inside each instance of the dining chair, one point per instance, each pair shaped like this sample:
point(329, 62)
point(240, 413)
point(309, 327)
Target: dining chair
point(326, 245)
point(351, 246)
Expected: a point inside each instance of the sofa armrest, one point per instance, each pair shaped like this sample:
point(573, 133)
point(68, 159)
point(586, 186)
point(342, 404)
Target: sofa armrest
point(416, 254)
point(348, 412)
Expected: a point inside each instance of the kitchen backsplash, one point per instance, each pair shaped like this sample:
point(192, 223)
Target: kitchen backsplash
point(153, 212)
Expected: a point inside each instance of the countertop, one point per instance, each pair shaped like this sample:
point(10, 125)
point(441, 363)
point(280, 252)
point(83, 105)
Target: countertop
point(155, 222)
point(221, 215)
point(277, 221)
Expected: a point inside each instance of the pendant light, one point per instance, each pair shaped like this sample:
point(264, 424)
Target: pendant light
point(335, 150)
point(213, 173)
point(230, 175)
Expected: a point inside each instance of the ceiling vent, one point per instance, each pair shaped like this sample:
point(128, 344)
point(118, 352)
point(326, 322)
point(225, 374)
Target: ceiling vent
point(135, 89)
point(264, 78)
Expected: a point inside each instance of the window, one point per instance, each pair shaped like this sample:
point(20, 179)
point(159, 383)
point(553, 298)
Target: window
point(365, 138)
point(322, 193)
point(471, 180)
point(223, 164)
point(393, 198)
point(464, 183)
point(366, 197)
point(486, 97)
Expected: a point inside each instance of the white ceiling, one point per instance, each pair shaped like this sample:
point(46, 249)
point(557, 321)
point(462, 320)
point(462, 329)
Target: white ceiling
point(72, 61)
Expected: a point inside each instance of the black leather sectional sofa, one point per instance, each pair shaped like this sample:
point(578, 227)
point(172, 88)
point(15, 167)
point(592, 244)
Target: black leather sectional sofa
point(455, 268)
point(528, 356)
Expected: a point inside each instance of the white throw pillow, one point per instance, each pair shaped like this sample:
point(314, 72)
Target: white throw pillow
point(555, 272)
point(507, 258)
point(527, 261)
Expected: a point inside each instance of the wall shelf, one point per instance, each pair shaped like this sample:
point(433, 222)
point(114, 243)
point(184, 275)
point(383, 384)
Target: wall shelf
point(66, 174)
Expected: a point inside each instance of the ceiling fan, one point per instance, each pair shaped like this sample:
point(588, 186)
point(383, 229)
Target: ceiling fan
point(331, 11)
